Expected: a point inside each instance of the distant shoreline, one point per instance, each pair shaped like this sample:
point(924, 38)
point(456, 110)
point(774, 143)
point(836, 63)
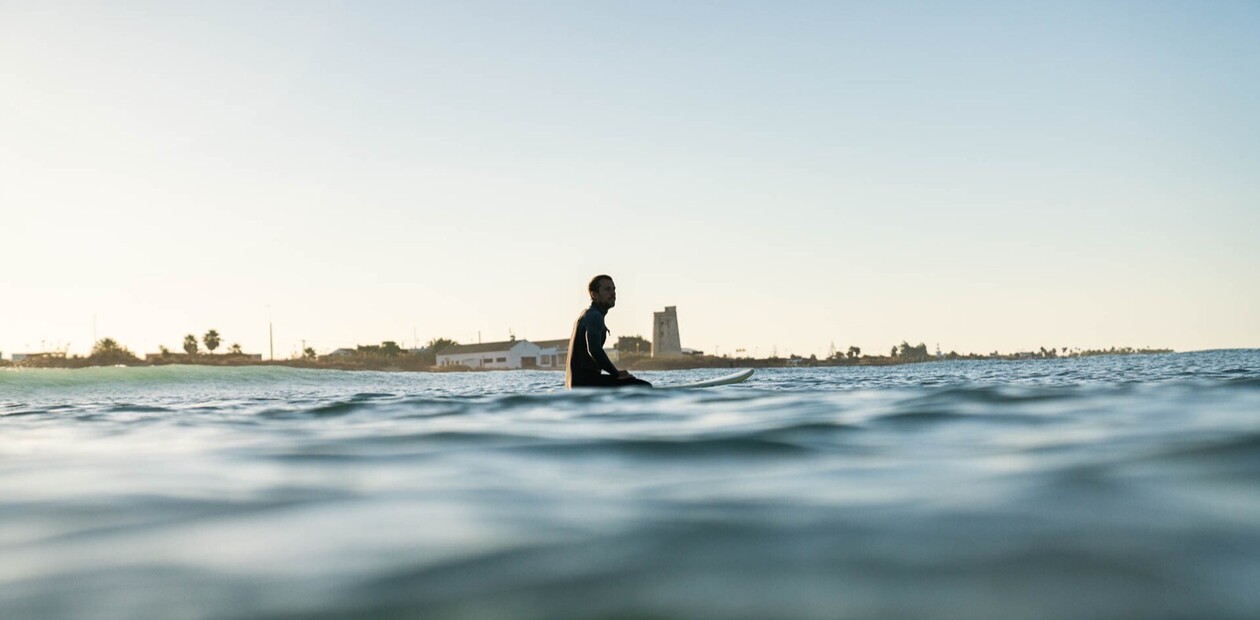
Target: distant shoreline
point(633, 362)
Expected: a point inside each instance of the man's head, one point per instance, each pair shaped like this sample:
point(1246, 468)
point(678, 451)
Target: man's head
point(603, 291)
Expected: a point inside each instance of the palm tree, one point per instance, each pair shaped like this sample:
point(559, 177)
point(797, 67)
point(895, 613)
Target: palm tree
point(437, 344)
point(235, 349)
point(106, 346)
point(212, 340)
point(190, 344)
point(107, 350)
point(855, 352)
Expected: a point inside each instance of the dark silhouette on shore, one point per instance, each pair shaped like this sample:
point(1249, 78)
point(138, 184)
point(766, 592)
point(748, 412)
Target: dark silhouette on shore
point(633, 352)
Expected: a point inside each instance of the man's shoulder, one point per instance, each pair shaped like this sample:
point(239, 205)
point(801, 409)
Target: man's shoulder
point(591, 314)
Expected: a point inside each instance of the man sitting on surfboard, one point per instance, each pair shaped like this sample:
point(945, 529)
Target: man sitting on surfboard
point(586, 345)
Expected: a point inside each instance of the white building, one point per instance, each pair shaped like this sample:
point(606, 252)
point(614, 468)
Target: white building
point(492, 355)
point(19, 357)
point(553, 354)
point(512, 354)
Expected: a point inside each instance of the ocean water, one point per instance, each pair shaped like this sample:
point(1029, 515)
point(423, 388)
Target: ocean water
point(1107, 487)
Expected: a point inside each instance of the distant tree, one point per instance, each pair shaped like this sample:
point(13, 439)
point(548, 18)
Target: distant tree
point(235, 349)
point(190, 344)
point(212, 340)
point(308, 353)
point(910, 352)
point(855, 352)
point(108, 351)
point(633, 344)
point(165, 352)
point(428, 354)
point(106, 346)
point(893, 353)
point(391, 348)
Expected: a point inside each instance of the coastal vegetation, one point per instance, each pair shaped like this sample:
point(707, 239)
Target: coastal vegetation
point(211, 340)
point(635, 356)
point(634, 353)
point(633, 345)
point(107, 352)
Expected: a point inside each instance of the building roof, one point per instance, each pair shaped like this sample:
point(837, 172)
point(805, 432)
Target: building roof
point(485, 347)
point(550, 344)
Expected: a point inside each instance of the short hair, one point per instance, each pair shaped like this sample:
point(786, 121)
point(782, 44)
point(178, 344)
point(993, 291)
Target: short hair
point(593, 286)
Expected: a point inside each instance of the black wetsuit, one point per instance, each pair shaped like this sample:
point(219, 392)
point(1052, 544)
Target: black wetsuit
point(587, 357)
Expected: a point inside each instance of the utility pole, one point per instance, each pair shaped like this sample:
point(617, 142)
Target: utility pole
point(271, 338)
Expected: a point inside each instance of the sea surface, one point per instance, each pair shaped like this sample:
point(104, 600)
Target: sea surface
point(1104, 487)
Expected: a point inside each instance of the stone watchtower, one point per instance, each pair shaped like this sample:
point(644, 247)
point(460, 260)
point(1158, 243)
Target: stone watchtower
point(665, 341)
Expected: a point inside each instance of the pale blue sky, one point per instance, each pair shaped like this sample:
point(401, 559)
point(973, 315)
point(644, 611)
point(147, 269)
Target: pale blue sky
point(983, 175)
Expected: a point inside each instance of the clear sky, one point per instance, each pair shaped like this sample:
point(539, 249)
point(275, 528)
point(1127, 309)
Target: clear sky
point(983, 175)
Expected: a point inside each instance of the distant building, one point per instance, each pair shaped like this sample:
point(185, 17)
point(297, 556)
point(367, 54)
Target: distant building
point(342, 352)
point(17, 357)
point(665, 341)
point(553, 354)
point(513, 354)
point(510, 354)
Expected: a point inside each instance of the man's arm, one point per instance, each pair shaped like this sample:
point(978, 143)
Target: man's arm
point(595, 335)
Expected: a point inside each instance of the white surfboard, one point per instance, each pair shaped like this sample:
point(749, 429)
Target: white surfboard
point(738, 377)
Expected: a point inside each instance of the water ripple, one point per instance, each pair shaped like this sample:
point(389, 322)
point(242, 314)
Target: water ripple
point(947, 489)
